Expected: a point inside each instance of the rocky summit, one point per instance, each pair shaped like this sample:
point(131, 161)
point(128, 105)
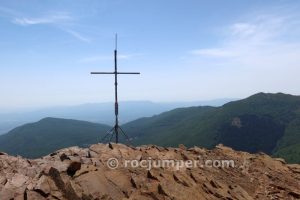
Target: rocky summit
point(117, 171)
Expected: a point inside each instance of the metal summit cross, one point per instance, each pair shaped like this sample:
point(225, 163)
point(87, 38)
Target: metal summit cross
point(115, 130)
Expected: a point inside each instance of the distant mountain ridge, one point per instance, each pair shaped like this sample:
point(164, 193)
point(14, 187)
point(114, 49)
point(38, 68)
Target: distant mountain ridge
point(262, 122)
point(98, 112)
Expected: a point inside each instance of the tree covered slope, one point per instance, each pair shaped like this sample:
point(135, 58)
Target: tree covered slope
point(262, 122)
point(50, 134)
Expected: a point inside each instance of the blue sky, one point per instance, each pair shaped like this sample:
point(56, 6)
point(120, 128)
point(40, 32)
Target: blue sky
point(185, 50)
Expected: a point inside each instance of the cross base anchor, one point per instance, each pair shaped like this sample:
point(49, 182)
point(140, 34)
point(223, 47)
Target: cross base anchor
point(114, 131)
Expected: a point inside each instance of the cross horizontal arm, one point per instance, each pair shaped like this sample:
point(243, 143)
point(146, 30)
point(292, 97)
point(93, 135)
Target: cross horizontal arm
point(102, 72)
point(128, 73)
point(115, 73)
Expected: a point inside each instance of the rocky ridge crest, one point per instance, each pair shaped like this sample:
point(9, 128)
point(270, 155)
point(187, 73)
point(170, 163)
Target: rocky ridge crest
point(75, 173)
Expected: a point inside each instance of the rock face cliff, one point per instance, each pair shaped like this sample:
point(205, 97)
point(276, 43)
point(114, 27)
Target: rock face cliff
point(101, 172)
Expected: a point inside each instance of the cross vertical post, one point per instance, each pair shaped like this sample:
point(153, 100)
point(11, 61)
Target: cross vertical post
point(116, 94)
point(116, 128)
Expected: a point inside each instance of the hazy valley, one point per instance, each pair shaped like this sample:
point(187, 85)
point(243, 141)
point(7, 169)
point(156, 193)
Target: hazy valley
point(97, 112)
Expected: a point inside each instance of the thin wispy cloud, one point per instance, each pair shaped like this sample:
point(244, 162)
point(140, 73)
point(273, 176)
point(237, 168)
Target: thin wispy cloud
point(258, 54)
point(54, 18)
point(77, 35)
point(61, 20)
point(263, 29)
point(243, 29)
point(258, 39)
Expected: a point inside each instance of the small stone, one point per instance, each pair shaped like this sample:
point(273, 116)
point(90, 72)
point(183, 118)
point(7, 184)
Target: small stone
point(280, 160)
point(182, 147)
point(73, 167)
point(64, 157)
